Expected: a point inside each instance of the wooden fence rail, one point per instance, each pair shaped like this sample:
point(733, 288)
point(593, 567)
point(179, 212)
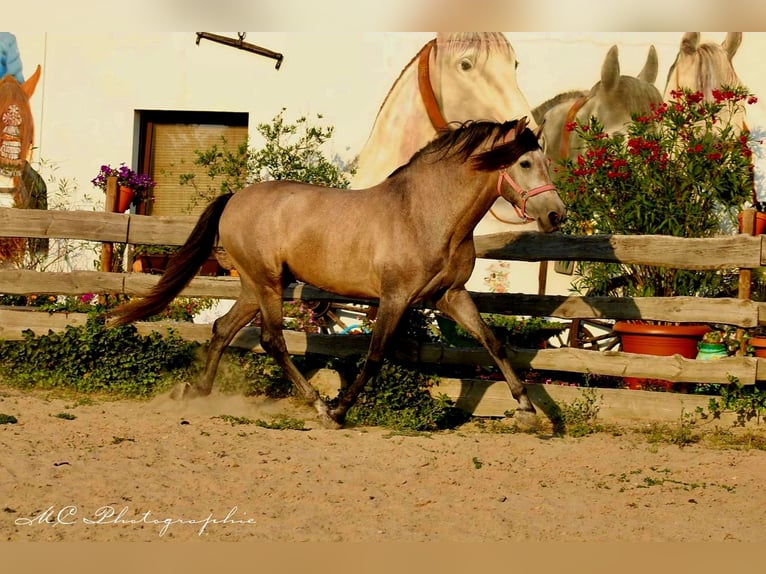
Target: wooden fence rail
point(717, 253)
point(735, 252)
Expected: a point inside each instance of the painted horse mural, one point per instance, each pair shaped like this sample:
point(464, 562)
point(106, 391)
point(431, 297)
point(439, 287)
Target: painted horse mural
point(22, 186)
point(453, 78)
point(704, 67)
point(613, 99)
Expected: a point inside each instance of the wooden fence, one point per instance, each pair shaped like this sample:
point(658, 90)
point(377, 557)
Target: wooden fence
point(732, 252)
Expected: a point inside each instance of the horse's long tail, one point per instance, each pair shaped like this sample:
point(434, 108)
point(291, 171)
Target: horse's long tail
point(182, 267)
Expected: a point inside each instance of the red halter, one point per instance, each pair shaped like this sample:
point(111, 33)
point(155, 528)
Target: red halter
point(522, 210)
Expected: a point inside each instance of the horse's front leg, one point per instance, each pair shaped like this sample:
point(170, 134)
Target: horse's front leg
point(457, 303)
point(390, 313)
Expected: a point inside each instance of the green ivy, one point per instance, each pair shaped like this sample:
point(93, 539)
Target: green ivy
point(92, 358)
point(400, 398)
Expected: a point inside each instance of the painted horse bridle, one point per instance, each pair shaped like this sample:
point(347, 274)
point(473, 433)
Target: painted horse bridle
point(427, 90)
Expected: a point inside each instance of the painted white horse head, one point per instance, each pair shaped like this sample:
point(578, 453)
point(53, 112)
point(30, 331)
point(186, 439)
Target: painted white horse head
point(705, 67)
point(612, 100)
point(454, 78)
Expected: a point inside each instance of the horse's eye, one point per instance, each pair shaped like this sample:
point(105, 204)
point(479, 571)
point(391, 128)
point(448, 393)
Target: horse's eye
point(525, 164)
point(466, 64)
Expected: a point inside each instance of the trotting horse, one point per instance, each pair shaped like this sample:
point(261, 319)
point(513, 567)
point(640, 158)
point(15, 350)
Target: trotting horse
point(410, 239)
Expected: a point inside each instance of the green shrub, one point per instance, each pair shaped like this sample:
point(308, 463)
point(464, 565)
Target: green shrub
point(529, 333)
point(92, 358)
point(252, 375)
point(400, 398)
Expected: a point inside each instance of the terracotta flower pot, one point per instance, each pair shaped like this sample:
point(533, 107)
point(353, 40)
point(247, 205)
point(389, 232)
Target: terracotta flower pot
point(658, 340)
point(124, 197)
point(760, 223)
point(759, 346)
point(150, 263)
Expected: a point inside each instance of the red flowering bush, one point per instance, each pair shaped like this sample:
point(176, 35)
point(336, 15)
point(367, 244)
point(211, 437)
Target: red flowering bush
point(684, 169)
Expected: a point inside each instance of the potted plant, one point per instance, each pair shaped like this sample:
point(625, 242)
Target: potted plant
point(683, 169)
point(755, 342)
point(134, 188)
point(152, 258)
point(717, 343)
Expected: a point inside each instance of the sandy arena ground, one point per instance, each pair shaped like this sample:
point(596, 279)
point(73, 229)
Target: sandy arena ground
point(164, 470)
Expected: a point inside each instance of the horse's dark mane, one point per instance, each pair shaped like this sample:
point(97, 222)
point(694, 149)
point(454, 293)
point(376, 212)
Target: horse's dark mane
point(539, 112)
point(462, 141)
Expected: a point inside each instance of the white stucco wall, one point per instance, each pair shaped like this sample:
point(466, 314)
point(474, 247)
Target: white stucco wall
point(92, 84)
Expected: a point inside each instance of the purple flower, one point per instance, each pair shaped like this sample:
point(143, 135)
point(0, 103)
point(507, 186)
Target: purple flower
point(141, 184)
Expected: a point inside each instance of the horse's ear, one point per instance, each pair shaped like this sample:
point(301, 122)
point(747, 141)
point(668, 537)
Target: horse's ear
point(649, 72)
point(521, 125)
point(689, 42)
point(610, 70)
point(30, 83)
point(539, 130)
point(731, 43)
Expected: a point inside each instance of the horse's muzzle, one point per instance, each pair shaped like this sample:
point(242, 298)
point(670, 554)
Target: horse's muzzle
point(556, 219)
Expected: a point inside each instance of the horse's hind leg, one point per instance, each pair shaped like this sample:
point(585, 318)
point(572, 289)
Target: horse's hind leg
point(273, 342)
point(224, 330)
point(457, 303)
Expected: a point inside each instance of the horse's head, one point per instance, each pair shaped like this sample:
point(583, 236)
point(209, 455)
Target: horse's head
point(16, 122)
point(703, 67)
point(616, 97)
point(524, 176)
point(474, 76)
point(613, 100)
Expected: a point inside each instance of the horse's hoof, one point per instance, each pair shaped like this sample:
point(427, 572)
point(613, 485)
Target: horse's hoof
point(179, 391)
point(526, 420)
point(326, 417)
point(328, 422)
point(186, 391)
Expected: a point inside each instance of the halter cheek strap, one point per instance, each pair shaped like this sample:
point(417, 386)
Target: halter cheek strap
point(521, 211)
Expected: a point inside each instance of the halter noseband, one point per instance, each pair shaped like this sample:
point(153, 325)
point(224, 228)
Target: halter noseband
point(521, 211)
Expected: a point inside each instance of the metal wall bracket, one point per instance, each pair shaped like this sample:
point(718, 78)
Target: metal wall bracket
point(242, 45)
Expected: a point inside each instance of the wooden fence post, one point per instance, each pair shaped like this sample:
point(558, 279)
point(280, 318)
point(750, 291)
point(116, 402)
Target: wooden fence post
point(107, 248)
point(744, 286)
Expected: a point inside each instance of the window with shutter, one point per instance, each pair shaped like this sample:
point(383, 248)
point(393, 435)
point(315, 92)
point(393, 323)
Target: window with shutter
point(169, 140)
